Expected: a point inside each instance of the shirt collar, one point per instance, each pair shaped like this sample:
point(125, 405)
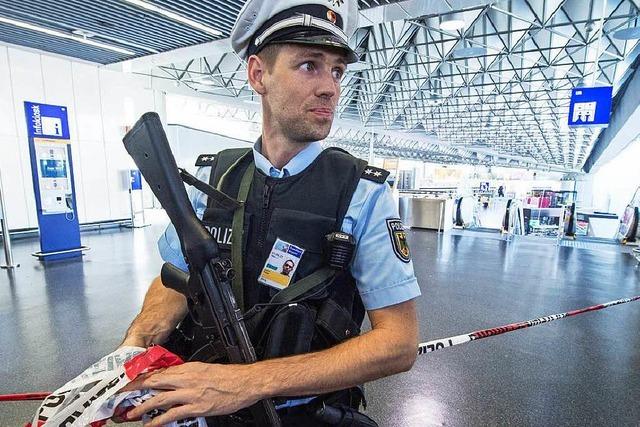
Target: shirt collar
point(296, 165)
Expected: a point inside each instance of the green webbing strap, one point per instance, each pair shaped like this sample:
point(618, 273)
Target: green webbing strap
point(213, 193)
point(294, 291)
point(237, 230)
point(230, 168)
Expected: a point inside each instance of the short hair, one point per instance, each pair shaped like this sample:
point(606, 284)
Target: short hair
point(269, 54)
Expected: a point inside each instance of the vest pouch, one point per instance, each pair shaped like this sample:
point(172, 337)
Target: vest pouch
point(335, 324)
point(301, 229)
point(290, 332)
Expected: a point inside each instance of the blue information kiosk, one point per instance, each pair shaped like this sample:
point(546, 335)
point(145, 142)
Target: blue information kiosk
point(53, 184)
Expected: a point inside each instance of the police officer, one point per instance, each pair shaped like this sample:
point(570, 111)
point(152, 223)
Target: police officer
point(296, 195)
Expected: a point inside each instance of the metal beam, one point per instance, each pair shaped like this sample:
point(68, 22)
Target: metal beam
point(411, 9)
point(218, 47)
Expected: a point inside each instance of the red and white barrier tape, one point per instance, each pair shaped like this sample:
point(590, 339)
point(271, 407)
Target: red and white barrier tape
point(24, 396)
point(429, 346)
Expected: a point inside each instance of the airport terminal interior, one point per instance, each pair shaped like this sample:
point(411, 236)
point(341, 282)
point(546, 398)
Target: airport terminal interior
point(510, 130)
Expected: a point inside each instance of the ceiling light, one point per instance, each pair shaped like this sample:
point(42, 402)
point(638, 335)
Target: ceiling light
point(631, 33)
point(83, 33)
point(60, 34)
point(168, 14)
point(452, 22)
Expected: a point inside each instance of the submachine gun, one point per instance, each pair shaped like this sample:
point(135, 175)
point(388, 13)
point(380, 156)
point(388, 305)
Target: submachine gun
point(207, 286)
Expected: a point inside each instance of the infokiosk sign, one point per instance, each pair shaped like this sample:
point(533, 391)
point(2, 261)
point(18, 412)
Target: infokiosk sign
point(590, 106)
point(46, 121)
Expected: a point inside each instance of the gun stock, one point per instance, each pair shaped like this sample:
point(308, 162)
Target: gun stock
point(147, 144)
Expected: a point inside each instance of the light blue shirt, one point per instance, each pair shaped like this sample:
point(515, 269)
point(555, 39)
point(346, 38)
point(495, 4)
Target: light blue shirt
point(382, 278)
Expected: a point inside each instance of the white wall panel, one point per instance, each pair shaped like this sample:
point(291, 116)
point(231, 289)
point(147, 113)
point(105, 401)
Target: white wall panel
point(124, 100)
point(615, 182)
point(118, 164)
point(7, 111)
point(27, 85)
point(96, 189)
point(87, 109)
point(57, 81)
point(26, 81)
point(13, 183)
point(58, 88)
point(112, 98)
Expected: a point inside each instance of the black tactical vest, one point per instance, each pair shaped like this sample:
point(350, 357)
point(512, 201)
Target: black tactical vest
point(300, 209)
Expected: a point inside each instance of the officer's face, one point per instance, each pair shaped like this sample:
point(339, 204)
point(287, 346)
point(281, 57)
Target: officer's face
point(302, 90)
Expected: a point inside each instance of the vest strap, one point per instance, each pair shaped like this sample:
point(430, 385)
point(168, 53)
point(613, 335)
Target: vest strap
point(237, 231)
point(230, 168)
point(324, 275)
point(213, 193)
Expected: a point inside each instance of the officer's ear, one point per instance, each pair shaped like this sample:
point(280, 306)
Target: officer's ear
point(256, 70)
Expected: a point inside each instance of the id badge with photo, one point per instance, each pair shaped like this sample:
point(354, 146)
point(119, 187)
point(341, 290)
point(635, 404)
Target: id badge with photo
point(281, 264)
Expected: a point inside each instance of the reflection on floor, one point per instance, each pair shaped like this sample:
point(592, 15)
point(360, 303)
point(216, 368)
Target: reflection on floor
point(58, 319)
point(583, 242)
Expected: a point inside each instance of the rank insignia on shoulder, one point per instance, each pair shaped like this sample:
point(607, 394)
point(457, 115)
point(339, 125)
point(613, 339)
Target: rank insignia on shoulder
point(205, 159)
point(398, 239)
point(375, 174)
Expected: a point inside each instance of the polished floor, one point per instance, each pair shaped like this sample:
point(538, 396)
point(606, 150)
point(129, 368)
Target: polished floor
point(57, 319)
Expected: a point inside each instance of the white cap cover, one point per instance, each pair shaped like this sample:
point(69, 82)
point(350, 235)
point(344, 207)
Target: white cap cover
point(321, 22)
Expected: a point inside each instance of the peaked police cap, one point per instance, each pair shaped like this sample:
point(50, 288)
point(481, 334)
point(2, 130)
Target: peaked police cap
point(314, 22)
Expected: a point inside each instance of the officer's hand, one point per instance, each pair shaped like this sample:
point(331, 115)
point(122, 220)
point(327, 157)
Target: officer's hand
point(195, 389)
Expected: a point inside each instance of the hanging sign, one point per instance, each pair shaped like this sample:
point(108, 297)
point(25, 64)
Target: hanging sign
point(590, 106)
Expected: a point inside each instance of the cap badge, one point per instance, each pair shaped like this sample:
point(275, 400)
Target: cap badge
point(336, 3)
point(331, 16)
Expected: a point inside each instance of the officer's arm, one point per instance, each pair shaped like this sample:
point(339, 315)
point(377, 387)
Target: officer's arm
point(211, 389)
point(390, 347)
point(162, 310)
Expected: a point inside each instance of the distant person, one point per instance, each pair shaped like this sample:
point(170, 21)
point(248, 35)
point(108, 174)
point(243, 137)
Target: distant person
point(501, 191)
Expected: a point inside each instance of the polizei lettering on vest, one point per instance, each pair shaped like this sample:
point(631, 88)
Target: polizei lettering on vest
point(221, 234)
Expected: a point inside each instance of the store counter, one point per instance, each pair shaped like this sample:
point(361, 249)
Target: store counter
point(597, 224)
point(429, 213)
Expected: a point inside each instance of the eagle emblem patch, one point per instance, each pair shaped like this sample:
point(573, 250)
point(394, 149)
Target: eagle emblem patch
point(399, 239)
